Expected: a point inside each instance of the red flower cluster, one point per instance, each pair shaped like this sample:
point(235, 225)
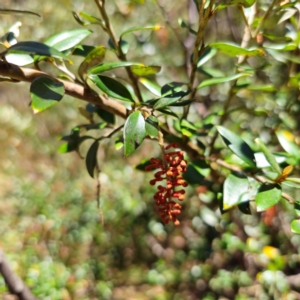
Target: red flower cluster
point(171, 168)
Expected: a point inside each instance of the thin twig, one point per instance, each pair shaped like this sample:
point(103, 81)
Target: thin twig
point(101, 6)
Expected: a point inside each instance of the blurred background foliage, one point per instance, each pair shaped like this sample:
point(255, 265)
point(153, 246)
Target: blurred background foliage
point(50, 226)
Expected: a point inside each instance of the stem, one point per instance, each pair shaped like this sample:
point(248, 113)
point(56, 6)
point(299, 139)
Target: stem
point(134, 81)
point(204, 17)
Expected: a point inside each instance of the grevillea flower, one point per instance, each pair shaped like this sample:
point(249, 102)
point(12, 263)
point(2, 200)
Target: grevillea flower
point(170, 171)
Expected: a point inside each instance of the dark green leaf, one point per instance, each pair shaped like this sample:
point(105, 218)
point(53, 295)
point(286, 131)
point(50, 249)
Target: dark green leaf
point(167, 111)
point(245, 207)
point(187, 128)
point(267, 196)
point(174, 89)
point(297, 208)
point(237, 146)
point(67, 39)
point(196, 171)
point(112, 87)
point(83, 50)
point(45, 92)
point(35, 48)
point(134, 132)
point(91, 158)
point(143, 165)
point(152, 126)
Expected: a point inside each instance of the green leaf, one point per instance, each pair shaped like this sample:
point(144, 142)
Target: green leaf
point(267, 196)
point(206, 56)
point(94, 57)
point(235, 188)
point(112, 87)
point(83, 50)
point(182, 103)
point(144, 163)
point(187, 128)
point(184, 25)
point(245, 3)
point(163, 102)
point(212, 81)
point(119, 143)
point(287, 141)
point(262, 162)
point(269, 156)
point(35, 48)
point(19, 59)
point(151, 86)
point(237, 146)
point(234, 50)
point(122, 44)
point(134, 132)
point(67, 39)
point(245, 207)
point(45, 92)
point(91, 19)
point(151, 126)
point(112, 65)
point(142, 70)
point(262, 88)
point(196, 171)
point(174, 89)
point(167, 111)
point(91, 158)
point(295, 226)
point(73, 141)
point(297, 208)
point(103, 114)
point(137, 28)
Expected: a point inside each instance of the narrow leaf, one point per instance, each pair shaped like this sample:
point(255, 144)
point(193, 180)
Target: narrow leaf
point(134, 132)
point(163, 102)
point(212, 81)
point(67, 39)
point(112, 65)
point(267, 196)
point(112, 87)
point(234, 50)
point(137, 28)
point(142, 70)
point(91, 158)
point(151, 86)
point(237, 146)
point(45, 92)
point(269, 156)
